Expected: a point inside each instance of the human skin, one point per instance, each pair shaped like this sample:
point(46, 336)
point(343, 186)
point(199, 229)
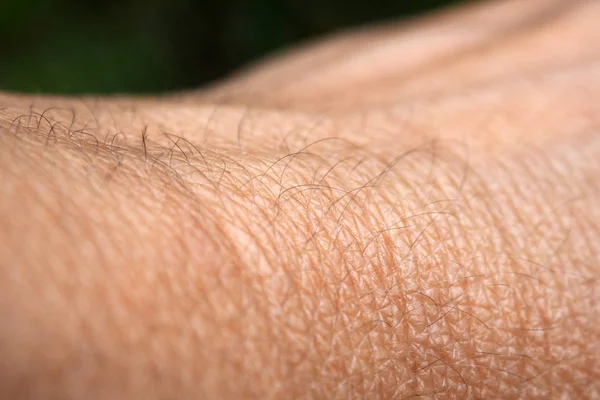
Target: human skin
point(401, 211)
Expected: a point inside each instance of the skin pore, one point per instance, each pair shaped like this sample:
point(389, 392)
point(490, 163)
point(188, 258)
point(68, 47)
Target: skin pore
point(397, 212)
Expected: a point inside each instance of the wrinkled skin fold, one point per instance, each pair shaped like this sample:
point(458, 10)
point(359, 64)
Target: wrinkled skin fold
point(400, 211)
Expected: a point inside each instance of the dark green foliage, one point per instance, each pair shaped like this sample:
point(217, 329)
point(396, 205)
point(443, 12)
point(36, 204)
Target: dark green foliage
point(137, 46)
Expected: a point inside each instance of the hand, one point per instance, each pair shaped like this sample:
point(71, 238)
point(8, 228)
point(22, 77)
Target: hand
point(397, 212)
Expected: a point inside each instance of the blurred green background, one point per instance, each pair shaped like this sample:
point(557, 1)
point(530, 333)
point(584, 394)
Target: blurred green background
point(141, 46)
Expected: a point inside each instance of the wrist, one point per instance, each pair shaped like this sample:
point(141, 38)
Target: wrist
point(325, 270)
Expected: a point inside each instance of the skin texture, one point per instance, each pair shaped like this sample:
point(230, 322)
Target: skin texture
point(400, 211)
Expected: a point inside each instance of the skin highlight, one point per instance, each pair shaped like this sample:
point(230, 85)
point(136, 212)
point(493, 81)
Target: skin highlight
point(389, 228)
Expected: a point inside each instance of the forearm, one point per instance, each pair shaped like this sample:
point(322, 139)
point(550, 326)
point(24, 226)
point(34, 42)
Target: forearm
point(428, 228)
point(145, 264)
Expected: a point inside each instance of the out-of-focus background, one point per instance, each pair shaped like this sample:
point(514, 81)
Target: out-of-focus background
point(141, 46)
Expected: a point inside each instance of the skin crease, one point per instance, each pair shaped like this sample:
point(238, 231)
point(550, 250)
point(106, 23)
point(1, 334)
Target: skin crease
point(400, 211)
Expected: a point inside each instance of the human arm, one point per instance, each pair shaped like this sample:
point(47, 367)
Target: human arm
point(430, 238)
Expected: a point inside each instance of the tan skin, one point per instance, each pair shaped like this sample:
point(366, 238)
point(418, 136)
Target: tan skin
point(396, 212)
